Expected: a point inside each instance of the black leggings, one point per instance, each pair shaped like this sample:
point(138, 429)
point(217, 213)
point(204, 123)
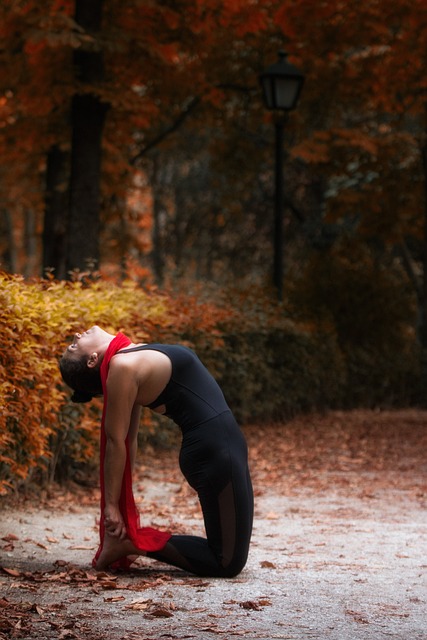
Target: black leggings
point(214, 461)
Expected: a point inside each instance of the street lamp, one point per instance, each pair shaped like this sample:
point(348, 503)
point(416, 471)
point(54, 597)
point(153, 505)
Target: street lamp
point(281, 85)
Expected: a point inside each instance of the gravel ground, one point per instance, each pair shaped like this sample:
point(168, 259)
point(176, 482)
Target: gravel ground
point(345, 559)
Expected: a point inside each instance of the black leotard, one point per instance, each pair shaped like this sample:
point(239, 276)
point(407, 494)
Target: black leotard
point(192, 395)
point(213, 459)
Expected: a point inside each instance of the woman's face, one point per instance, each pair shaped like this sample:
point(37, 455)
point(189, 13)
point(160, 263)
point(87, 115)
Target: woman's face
point(84, 344)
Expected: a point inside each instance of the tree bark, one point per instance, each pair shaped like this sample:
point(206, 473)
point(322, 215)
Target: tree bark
point(55, 215)
point(9, 256)
point(30, 244)
point(423, 297)
point(88, 114)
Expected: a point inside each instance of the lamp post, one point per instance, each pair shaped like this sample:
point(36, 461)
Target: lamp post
point(281, 85)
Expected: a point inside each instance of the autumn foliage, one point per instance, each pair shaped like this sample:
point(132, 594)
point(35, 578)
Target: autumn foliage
point(36, 321)
point(269, 363)
point(181, 84)
point(186, 195)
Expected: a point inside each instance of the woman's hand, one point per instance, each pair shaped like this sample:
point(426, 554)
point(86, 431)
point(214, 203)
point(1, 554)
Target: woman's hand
point(114, 523)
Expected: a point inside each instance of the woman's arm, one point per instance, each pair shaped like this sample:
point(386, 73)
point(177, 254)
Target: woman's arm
point(120, 421)
point(135, 419)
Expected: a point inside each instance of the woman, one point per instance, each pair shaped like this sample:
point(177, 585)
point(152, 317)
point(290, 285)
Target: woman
point(171, 380)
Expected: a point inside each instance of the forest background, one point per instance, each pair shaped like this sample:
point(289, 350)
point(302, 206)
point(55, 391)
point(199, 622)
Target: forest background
point(137, 191)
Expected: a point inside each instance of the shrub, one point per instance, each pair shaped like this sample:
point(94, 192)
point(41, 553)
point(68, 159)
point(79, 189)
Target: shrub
point(40, 431)
point(269, 365)
point(372, 311)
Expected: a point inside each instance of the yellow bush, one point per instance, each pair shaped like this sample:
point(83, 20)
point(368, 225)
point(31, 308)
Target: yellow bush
point(37, 320)
point(268, 365)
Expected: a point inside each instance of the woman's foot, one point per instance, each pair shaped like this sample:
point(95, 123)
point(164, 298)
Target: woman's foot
point(114, 549)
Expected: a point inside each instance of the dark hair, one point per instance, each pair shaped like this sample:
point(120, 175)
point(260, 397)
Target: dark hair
point(85, 381)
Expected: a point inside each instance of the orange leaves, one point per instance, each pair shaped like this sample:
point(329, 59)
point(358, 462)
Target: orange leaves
point(255, 605)
point(355, 138)
point(29, 393)
point(152, 609)
point(323, 146)
point(38, 428)
point(171, 18)
point(169, 52)
point(314, 150)
point(34, 48)
point(360, 59)
point(246, 18)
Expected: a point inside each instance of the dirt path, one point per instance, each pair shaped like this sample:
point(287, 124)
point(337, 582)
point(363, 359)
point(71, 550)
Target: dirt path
point(339, 547)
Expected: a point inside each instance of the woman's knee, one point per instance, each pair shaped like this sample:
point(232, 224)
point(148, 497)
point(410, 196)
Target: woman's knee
point(233, 568)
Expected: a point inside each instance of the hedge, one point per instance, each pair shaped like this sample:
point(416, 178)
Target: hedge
point(270, 366)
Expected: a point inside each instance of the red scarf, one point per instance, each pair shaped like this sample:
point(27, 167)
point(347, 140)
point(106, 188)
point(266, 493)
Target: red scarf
point(145, 538)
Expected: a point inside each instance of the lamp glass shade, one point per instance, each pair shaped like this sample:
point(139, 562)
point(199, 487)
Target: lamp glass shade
point(286, 92)
point(281, 84)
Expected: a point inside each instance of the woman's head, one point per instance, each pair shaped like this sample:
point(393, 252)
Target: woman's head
point(85, 381)
point(81, 362)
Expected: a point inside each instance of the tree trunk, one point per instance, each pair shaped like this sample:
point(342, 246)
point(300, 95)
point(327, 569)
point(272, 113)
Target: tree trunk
point(423, 296)
point(157, 257)
point(30, 244)
point(55, 216)
point(9, 255)
point(157, 252)
point(87, 120)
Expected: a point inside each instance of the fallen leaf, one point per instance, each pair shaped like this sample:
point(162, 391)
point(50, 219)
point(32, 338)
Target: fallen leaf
point(255, 605)
point(66, 633)
point(60, 563)
point(249, 604)
point(11, 572)
point(272, 516)
point(41, 545)
point(357, 616)
point(82, 548)
point(139, 605)
point(103, 575)
point(37, 609)
point(161, 612)
point(108, 584)
point(10, 537)
point(266, 564)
